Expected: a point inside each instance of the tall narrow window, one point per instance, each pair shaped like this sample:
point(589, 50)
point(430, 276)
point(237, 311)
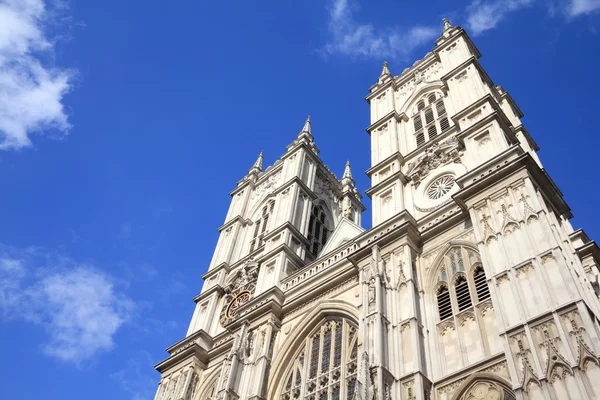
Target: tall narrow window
point(463, 297)
point(317, 230)
point(444, 304)
point(260, 226)
point(481, 287)
point(430, 119)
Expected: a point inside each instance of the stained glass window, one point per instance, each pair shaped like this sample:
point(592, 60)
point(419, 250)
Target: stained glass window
point(331, 371)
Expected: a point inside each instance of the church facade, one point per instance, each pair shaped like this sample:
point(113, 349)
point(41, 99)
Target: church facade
point(471, 283)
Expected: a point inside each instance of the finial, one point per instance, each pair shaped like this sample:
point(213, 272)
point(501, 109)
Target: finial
point(258, 164)
point(347, 172)
point(447, 24)
point(385, 70)
point(306, 127)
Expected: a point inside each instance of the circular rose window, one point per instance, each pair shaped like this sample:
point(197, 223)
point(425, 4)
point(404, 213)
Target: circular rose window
point(440, 187)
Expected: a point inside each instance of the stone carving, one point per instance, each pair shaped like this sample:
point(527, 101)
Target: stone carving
point(268, 186)
point(436, 155)
point(246, 274)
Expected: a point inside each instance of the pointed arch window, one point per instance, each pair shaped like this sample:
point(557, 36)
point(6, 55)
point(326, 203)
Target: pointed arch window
point(331, 367)
point(261, 225)
point(318, 232)
point(461, 282)
point(430, 118)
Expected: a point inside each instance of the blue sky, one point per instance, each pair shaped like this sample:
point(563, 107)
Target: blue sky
point(124, 125)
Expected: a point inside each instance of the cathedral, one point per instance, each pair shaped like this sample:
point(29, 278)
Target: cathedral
point(471, 283)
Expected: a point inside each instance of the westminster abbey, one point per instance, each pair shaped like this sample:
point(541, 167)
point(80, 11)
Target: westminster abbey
point(471, 283)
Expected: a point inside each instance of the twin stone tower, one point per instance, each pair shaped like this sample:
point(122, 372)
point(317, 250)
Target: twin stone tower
point(471, 284)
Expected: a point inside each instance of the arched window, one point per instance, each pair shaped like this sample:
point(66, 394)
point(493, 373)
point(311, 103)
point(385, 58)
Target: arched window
point(466, 290)
point(326, 366)
point(430, 119)
point(260, 226)
point(483, 390)
point(318, 232)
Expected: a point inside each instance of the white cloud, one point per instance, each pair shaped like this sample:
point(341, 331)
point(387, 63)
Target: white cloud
point(578, 7)
point(351, 38)
point(79, 306)
point(485, 15)
point(31, 90)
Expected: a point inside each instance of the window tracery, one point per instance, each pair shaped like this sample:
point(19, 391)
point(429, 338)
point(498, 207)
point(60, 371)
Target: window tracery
point(329, 372)
point(430, 119)
point(260, 226)
point(486, 390)
point(458, 290)
point(318, 232)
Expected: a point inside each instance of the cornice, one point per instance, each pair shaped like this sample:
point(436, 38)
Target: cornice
point(277, 166)
point(506, 96)
point(532, 143)
point(398, 80)
point(443, 42)
point(398, 175)
point(377, 89)
point(232, 221)
point(199, 335)
point(300, 183)
point(469, 61)
point(194, 351)
point(589, 249)
point(209, 292)
point(268, 302)
point(286, 225)
point(503, 165)
point(292, 256)
point(386, 118)
point(214, 271)
point(397, 156)
point(292, 147)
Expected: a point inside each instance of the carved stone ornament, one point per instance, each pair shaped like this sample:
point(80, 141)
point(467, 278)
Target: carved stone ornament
point(436, 155)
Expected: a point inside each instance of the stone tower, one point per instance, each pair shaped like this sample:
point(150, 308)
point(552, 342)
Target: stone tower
point(471, 283)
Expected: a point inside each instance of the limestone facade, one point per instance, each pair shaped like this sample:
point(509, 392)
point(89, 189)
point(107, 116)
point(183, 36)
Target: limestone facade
point(471, 283)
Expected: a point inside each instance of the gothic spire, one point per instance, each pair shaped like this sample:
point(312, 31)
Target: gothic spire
point(385, 73)
point(256, 168)
point(347, 172)
point(306, 132)
point(258, 164)
point(306, 127)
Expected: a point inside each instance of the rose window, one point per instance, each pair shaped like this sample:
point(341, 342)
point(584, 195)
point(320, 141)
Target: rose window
point(440, 187)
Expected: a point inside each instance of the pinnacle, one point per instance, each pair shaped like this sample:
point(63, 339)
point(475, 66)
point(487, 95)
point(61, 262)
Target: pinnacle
point(306, 127)
point(258, 164)
point(385, 70)
point(347, 172)
point(447, 24)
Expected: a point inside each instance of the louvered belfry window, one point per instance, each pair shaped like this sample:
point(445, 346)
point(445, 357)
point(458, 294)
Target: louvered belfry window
point(430, 119)
point(461, 282)
point(260, 226)
point(318, 232)
point(326, 365)
point(481, 287)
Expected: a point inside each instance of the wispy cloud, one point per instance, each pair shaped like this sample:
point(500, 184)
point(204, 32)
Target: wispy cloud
point(579, 7)
point(485, 15)
point(31, 89)
point(351, 38)
point(79, 306)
